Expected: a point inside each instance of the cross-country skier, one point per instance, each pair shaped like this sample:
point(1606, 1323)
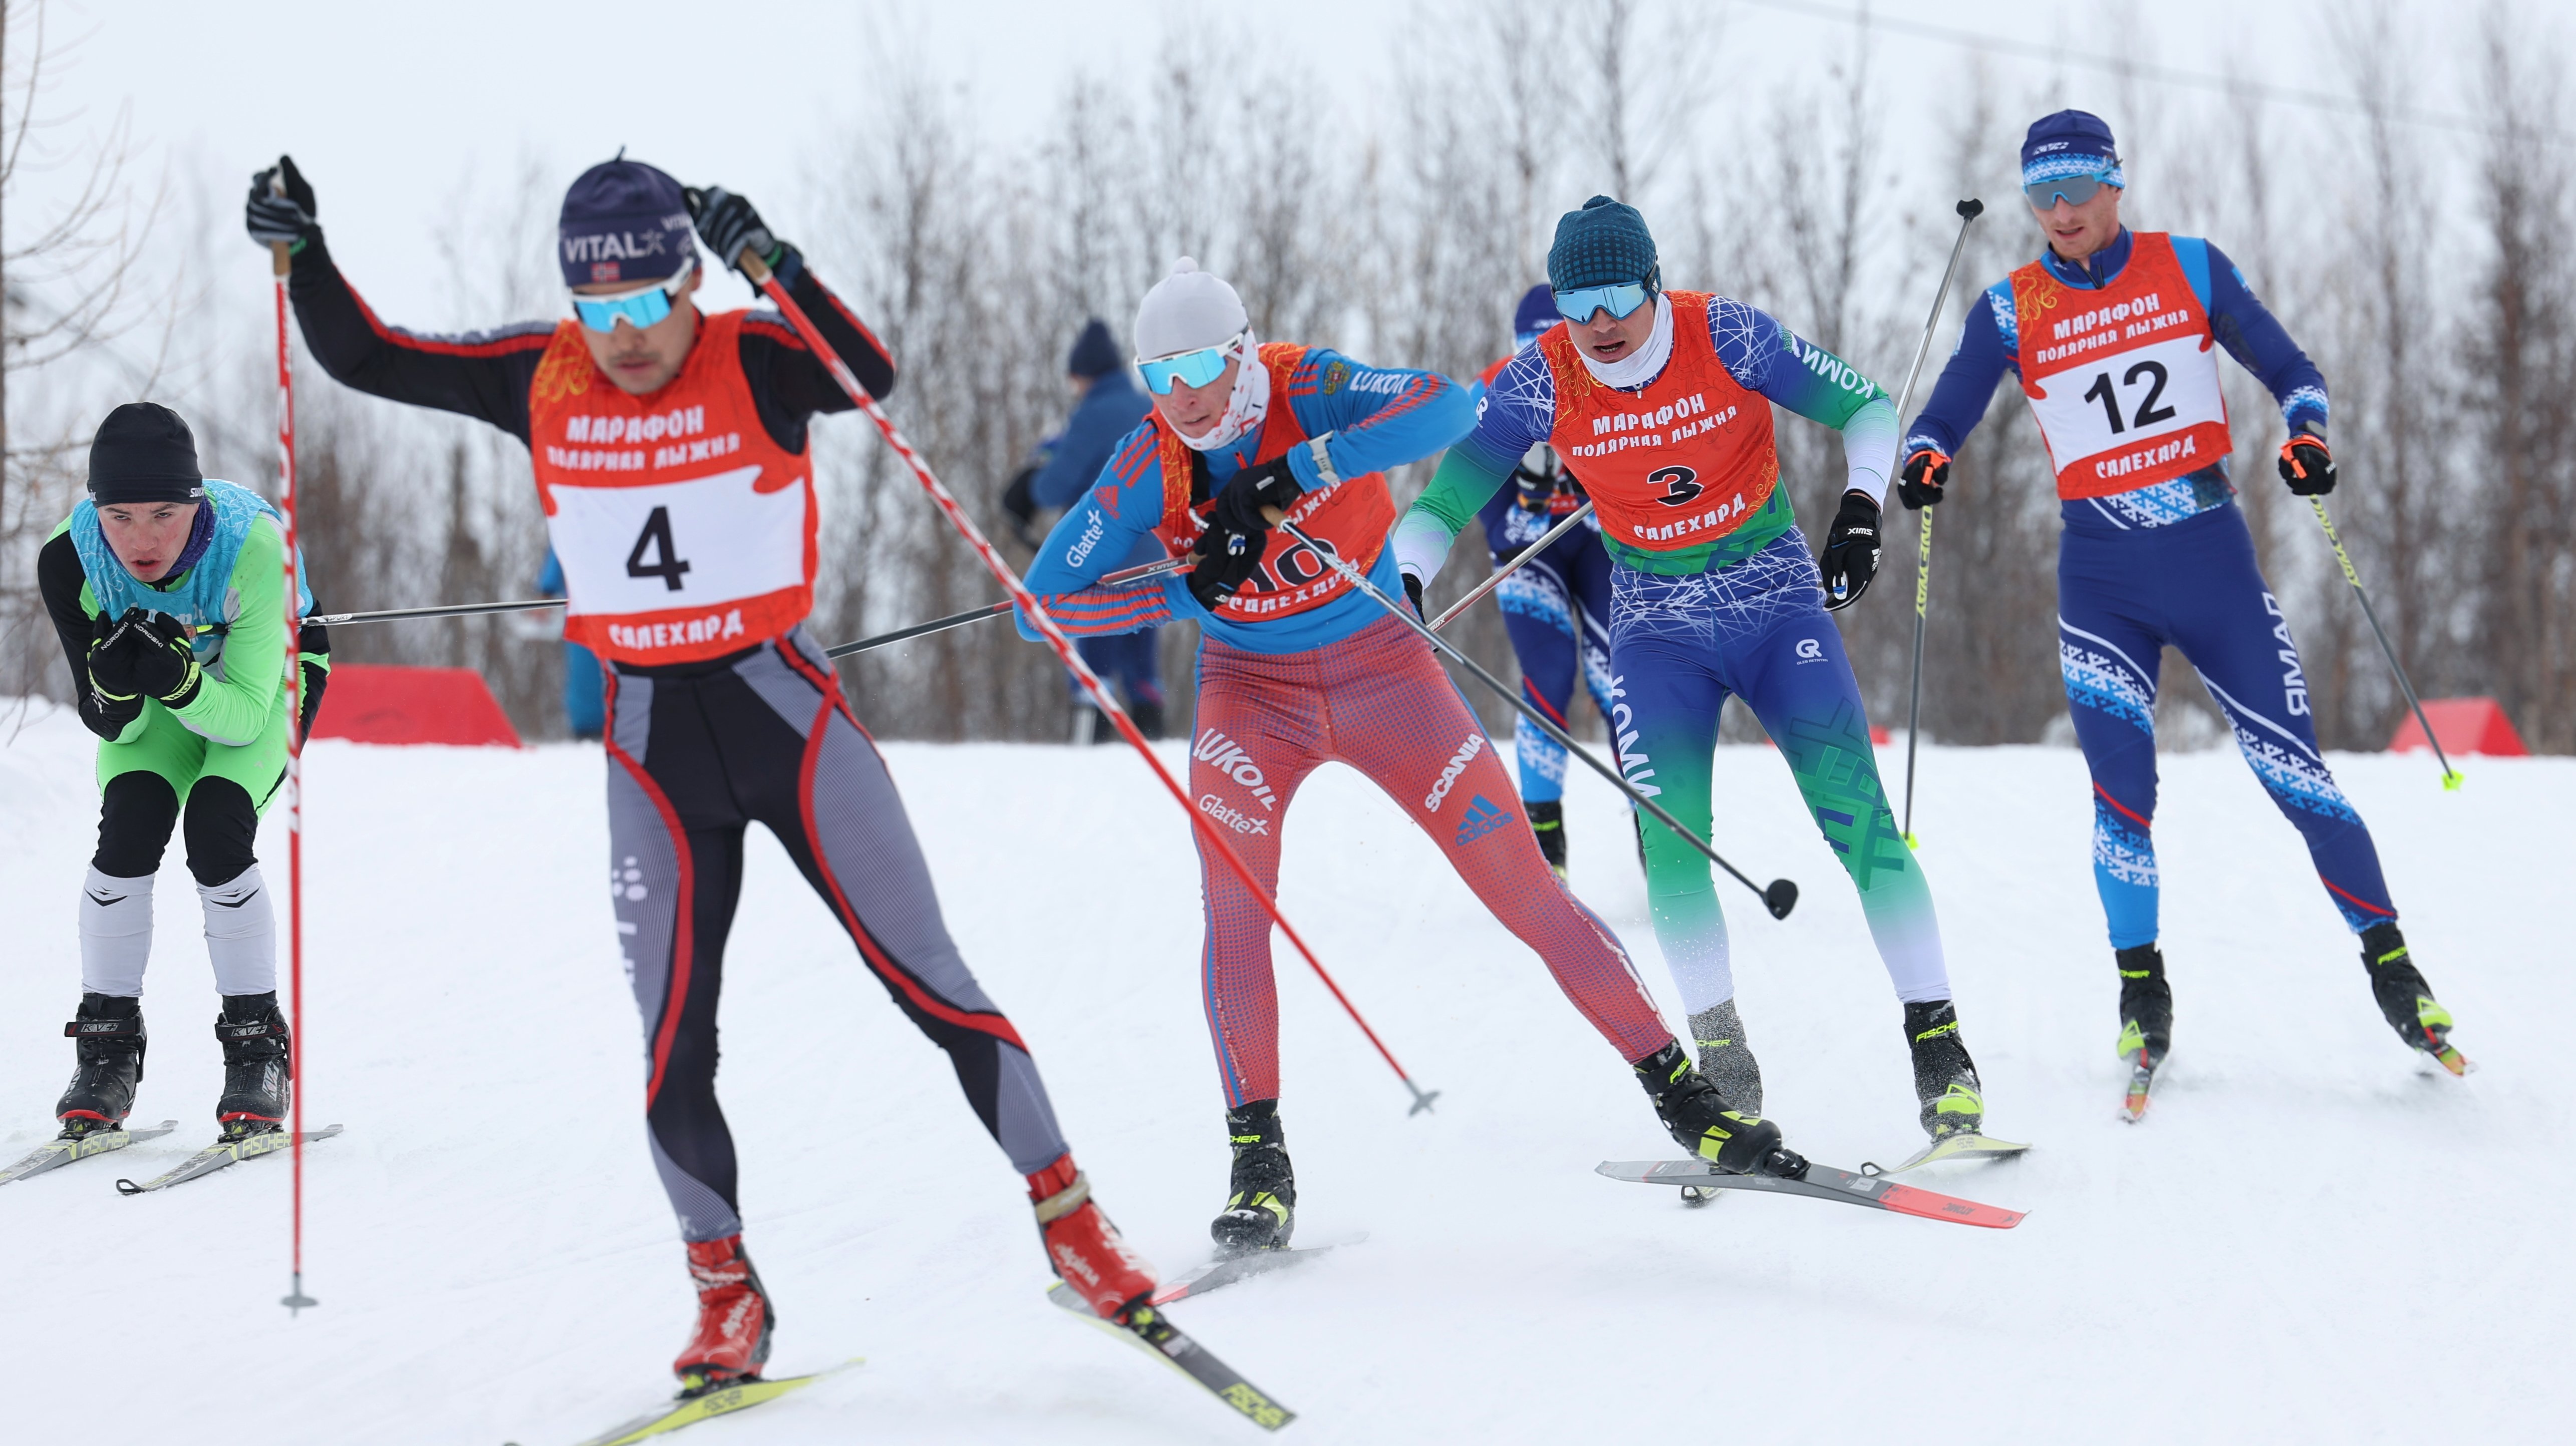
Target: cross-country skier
point(2115, 337)
point(167, 589)
point(1298, 668)
point(1556, 607)
point(1660, 402)
point(672, 458)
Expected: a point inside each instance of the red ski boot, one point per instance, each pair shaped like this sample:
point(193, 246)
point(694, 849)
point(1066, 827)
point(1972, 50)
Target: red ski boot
point(1083, 1246)
point(734, 1318)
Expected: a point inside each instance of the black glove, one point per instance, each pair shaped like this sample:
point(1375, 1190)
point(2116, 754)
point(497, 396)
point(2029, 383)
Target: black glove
point(1851, 551)
point(729, 225)
point(147, 655)
point(1239, 503)
point(2307, 466)
point(1534, 491)
point(105, 716)
point(1413, 594)
point(1022, 508)
point(273, 218)
point(1227, 560)
point(1919, 485)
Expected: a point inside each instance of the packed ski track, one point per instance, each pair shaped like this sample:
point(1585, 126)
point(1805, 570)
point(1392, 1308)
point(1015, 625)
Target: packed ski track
point(2313, 1235)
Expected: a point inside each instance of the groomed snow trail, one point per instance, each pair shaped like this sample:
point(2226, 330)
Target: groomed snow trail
point(2311, 1238)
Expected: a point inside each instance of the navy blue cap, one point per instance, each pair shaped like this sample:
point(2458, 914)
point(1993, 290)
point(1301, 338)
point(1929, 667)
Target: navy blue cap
point(624, 221)
point(1604, 244)
point(1095, 353)
point(143, 453)
point(2070, 143)
point(1537, 314)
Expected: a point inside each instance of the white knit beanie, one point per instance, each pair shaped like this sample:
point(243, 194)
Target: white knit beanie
point(1185, 311)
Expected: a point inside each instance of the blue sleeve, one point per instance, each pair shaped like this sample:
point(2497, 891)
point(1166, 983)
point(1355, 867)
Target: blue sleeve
point(1096, 535)
point(1379, 417)
point(550, 583)
point(2252, 335)
point(1989, 346)
point(1516, 413)
point(1093, 432)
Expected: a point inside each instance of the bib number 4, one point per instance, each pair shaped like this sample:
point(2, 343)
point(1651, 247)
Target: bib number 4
point(2146, 413)
point(656, 537)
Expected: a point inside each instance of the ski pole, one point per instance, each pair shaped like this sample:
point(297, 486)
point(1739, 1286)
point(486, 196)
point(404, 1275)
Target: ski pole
point(1969, 210)
point(2451, 777)
point(447, 610)
point(1514, 565)
point(1208, 829)
point(280, 256)
point(1779, 898)
point(977, 615)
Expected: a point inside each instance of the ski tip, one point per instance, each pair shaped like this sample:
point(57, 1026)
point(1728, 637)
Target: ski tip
point(2460, 1065)
point(1931, 1205)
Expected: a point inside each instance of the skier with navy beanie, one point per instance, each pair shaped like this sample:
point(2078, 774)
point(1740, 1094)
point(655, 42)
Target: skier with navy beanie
point(1107, 406)
point(1660, 401)
point(167, 591)
point(2115, 337)
point(674, 462)
point(1556, 606)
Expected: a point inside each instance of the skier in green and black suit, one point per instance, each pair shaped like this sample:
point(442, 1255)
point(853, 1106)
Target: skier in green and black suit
point(167, 588)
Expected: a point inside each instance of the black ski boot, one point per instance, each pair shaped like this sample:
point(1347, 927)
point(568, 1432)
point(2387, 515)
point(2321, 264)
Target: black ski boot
point(2146, 1006)
point(108, 1064)
point(1702, 1122)
point(1262, 1211)
point(1547, 821)
point(257, 1089)
point(1945, 1078)
point(2405, 1000)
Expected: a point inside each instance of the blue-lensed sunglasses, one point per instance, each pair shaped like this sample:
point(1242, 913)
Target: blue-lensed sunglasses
point(2074, 190)
point(639, 308)
point(1619, 301)
point(1190, 368)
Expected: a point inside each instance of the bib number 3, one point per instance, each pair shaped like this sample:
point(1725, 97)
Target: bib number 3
point(657, 536)
point(1681, 485)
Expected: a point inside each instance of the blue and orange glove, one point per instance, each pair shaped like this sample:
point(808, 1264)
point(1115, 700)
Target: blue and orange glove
point(1919, 485)
point(2307, 466)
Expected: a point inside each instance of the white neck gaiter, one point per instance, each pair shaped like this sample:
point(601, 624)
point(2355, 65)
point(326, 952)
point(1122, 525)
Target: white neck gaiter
point(1646, 362)
point(1244, 407)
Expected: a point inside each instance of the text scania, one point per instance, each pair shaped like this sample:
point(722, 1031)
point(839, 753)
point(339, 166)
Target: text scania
point(1458, 762)
point(709, 629)
point(1227, 757)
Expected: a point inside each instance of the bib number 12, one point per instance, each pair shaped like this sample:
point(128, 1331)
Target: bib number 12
point(657, 535)
point(2147, 413)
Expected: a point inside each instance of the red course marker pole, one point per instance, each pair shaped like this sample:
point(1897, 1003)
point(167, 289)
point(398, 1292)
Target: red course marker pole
point(761, 277)
point(295, 1299)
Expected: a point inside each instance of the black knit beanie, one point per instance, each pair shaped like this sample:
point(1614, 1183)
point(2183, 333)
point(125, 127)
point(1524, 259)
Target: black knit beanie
point(144, 452)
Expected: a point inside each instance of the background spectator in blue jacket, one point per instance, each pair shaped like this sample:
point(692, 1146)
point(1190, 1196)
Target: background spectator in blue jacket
point(1107, 406)
point(585, 700)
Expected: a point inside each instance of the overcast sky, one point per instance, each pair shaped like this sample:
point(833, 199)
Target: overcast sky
point(391, 108)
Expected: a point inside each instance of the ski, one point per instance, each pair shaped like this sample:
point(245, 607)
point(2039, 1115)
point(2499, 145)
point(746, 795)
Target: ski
point(2451, 1059)
point(1963, 1146)
point(219, 1154)
point(61, 1152)
point(1218, 1274)
point(2142, 1079)
point(1152, 1331)
point(688, 1409)
point(1822, 1182)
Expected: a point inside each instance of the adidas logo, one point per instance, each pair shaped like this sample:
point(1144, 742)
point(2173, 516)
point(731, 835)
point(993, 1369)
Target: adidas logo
point(1482, 818)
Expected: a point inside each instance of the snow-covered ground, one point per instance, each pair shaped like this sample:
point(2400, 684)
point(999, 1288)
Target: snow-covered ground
point(2312, 1238)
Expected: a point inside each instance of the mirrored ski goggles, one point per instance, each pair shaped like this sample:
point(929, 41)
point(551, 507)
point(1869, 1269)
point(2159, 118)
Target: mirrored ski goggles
point(639, 308)
point(2074, 190)
point(1190, 368)
point(1620, 300)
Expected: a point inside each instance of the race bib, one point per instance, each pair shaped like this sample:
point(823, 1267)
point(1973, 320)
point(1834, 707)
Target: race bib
point(698, 543)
